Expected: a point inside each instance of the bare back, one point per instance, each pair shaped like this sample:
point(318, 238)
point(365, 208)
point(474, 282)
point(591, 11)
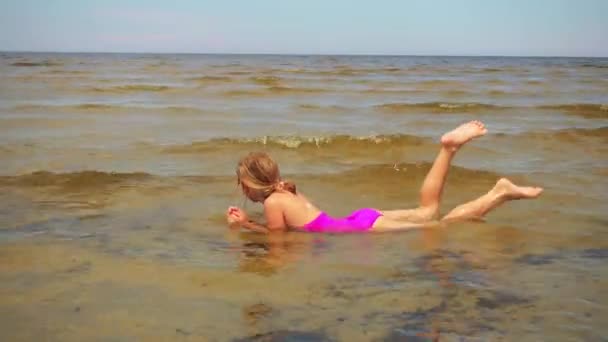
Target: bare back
point(297, 210)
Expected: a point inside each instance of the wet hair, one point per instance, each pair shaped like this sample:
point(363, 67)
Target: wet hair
point(260, 173)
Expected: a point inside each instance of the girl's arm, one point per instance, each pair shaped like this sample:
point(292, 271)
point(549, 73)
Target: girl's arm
point(238, 216)
point(254, 226)
point(273, 212)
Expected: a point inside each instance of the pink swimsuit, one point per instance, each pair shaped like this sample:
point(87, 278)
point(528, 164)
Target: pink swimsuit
point(358, 221)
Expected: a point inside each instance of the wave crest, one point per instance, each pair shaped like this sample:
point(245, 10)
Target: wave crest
point(45, 63)
point(211, 79)
point(266, 80)
point(132, 88)
point(400, 107)
point(591, 110)
point(299, 142)
point(105, 109)
point(73, 180)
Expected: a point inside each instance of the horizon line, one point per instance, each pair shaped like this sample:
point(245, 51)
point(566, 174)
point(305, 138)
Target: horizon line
point(297, 54)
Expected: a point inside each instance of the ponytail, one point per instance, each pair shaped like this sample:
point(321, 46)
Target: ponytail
point(290, 186)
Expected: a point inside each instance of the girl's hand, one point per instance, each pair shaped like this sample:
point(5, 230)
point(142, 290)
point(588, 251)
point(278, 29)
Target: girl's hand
point(236, 215)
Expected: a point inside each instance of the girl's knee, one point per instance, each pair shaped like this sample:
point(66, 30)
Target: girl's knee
point(429, 213)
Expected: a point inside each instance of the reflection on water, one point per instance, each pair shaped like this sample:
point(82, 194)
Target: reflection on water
point(432, 284)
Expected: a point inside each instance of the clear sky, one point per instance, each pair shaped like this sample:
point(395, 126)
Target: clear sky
point(428, 27)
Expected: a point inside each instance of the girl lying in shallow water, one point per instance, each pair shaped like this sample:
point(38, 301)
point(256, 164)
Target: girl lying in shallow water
point(285, 208)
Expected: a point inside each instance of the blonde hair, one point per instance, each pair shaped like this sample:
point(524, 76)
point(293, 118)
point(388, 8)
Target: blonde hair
point(258, 171)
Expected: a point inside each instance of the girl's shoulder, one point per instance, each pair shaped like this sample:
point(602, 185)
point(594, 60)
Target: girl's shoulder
point(281, 196)
point(284, 198)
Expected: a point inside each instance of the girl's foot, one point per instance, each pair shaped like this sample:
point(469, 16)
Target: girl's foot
point(462, 134)
point(511, 191)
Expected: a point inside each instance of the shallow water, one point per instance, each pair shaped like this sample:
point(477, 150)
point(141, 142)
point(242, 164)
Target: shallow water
point(116, 171)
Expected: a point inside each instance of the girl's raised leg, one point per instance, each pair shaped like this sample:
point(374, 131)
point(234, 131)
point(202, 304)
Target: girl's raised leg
point(503, 191)
point(432, 187)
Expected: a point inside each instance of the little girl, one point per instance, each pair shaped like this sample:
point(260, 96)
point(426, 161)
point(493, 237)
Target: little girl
point(284, 207)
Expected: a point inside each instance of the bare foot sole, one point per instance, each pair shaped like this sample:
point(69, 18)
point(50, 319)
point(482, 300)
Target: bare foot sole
point(463, 133)
point(512, 191)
